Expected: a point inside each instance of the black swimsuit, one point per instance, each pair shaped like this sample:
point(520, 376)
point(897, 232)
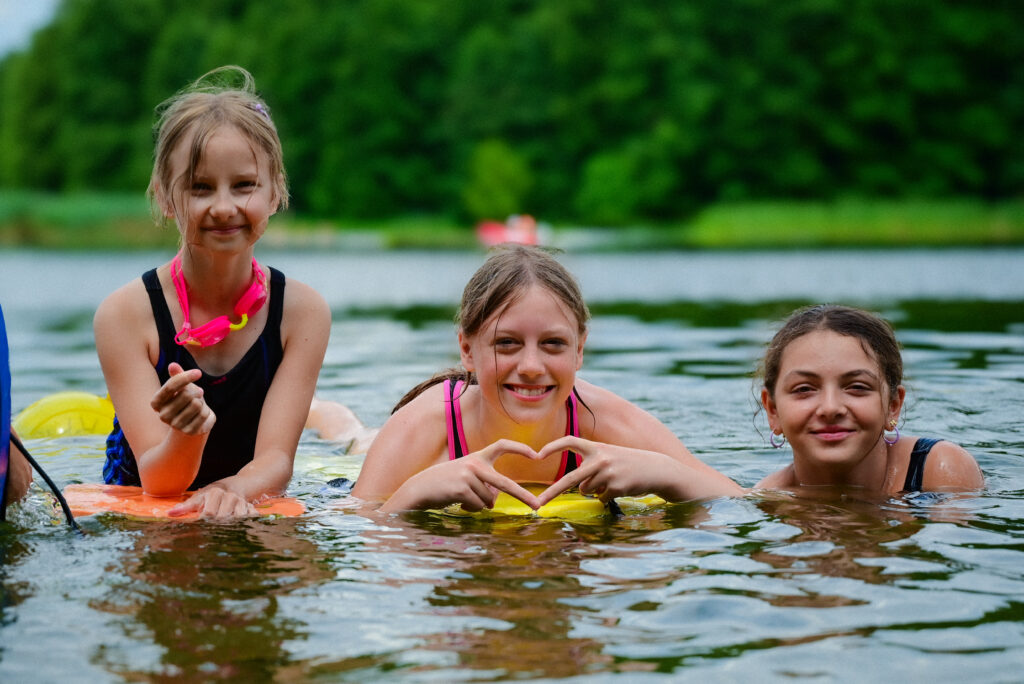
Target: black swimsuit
point(236, 397)
point(915, 471)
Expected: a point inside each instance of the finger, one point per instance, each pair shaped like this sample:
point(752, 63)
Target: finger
point(200, 424)
point(510, 487)
point(567, 482)
point(581, 446)
point(191, 505)
point(489, 454)
point(174, 385)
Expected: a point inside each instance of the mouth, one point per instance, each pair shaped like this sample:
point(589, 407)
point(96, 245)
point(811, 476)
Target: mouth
point(224, 230)
point(530, 392)
point(832, 433)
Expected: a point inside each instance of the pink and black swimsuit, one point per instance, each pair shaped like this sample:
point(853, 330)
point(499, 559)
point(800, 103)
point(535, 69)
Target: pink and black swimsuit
point(457, 436)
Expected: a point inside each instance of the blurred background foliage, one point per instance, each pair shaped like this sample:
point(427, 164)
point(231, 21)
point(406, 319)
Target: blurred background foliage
point(583, 111)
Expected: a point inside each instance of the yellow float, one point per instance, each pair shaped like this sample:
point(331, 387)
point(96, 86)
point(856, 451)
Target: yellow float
point(65, 414)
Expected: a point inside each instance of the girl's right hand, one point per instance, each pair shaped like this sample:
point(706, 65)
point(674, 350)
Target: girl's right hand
point(470, 481)
point(180, 403)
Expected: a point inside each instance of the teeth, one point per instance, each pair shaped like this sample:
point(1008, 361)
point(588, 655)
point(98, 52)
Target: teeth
point(531, 392)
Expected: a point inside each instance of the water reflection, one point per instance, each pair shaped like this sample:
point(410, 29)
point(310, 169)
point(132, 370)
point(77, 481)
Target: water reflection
point(762, 587)
point(206, 596)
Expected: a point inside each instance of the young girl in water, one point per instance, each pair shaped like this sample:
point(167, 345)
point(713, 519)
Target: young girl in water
point(517, 413)
point(211, 359)
point(832, 389)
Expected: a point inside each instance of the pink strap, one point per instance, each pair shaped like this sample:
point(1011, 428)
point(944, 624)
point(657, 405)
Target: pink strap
point(453, 418)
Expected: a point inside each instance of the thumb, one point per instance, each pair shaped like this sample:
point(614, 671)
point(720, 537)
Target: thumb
point(193, 504)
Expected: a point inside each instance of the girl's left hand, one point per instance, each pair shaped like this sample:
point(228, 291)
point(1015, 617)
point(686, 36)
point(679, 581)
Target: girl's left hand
point(215, 503)
point(608, 471)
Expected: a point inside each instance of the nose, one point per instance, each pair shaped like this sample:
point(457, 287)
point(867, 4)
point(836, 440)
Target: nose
point(530, 363)
point(831, 402)
point(223, 205)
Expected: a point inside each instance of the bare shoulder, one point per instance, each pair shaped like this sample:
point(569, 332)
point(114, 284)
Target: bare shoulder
point(130, 301)
point(124, 325)
point(950, 466)
point(780, 479)
point(411, 440)
point(607, 417)
point(304, 300)
point(422, 417)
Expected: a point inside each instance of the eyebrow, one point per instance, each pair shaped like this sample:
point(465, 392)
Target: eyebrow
point(845, 376)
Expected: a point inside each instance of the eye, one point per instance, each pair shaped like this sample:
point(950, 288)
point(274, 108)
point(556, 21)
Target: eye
point(200, 187)
point(506, 343)
point(860, 388)
point(802, 389)
point(246, 185)
point(556, 343)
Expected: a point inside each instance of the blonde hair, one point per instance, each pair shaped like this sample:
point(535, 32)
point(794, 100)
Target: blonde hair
point(225, 96)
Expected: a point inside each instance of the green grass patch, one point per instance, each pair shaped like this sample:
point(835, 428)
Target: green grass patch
point(123, 221)
point(857, 223)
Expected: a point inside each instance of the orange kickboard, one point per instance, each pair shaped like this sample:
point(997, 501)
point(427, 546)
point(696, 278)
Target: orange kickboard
point(91, 499)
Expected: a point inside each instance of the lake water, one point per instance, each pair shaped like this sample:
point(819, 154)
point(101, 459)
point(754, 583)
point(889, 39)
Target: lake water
point(761, 588)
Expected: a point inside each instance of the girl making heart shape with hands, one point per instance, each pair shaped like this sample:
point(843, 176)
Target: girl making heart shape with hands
point(516, 413)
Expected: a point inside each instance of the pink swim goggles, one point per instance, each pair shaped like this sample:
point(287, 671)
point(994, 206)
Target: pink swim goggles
point(216, 330)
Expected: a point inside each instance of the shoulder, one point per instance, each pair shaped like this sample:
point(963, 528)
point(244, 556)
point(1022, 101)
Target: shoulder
point(127, 299)
point(606, 415)
point(300, 297)
point(950, 466)
point(780, 479)
point(124, 311)
point(306, 315)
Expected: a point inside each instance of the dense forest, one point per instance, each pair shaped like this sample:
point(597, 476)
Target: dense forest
point(595, 111)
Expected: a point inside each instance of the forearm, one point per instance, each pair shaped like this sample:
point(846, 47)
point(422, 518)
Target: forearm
point(19, 475)
point(171, 466)
point(266, 475)
point(683, 482)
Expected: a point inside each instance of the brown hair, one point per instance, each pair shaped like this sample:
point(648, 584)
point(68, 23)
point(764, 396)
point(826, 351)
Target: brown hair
point(875, 334)
point(225, 96)
point(507, 273)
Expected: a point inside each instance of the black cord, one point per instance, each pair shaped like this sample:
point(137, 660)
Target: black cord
point(56, 490)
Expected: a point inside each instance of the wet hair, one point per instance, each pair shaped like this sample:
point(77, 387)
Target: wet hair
point(874, 333)
point(504, 277)
point(225, 96)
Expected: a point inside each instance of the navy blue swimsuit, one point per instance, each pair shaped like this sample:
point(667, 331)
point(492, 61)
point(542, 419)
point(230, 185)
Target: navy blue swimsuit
point(235, 397)
point(915, 471)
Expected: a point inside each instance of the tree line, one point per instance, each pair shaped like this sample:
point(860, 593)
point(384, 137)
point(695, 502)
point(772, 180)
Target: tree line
point(592, 111)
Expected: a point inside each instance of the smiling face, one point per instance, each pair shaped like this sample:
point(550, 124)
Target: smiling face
point(832, 403)
point(229, 199)
point(525, 357)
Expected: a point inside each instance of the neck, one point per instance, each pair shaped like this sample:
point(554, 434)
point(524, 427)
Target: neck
point(216, 278)
point(869, 473)
point(489, 426)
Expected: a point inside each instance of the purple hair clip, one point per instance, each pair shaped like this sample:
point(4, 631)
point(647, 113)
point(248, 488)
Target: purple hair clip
point(258, 106)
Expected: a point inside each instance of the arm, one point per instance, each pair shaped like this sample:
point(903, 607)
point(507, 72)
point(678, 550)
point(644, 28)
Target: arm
point(407, 466)
point(305, 329)
point(950, 467)
point(19, 474)
point(167, 425)
point(629, 452)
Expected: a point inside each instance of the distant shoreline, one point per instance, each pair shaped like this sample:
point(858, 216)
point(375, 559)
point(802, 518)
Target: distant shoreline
point(121, 221)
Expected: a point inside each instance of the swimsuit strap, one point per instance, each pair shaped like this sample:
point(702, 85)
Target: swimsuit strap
point(457, 447)
point(570, 459)
point(453, 418)
point(915, 471)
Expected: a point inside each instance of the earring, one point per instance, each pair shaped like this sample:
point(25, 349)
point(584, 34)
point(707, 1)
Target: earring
point(779, 444)
point(892, 428)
